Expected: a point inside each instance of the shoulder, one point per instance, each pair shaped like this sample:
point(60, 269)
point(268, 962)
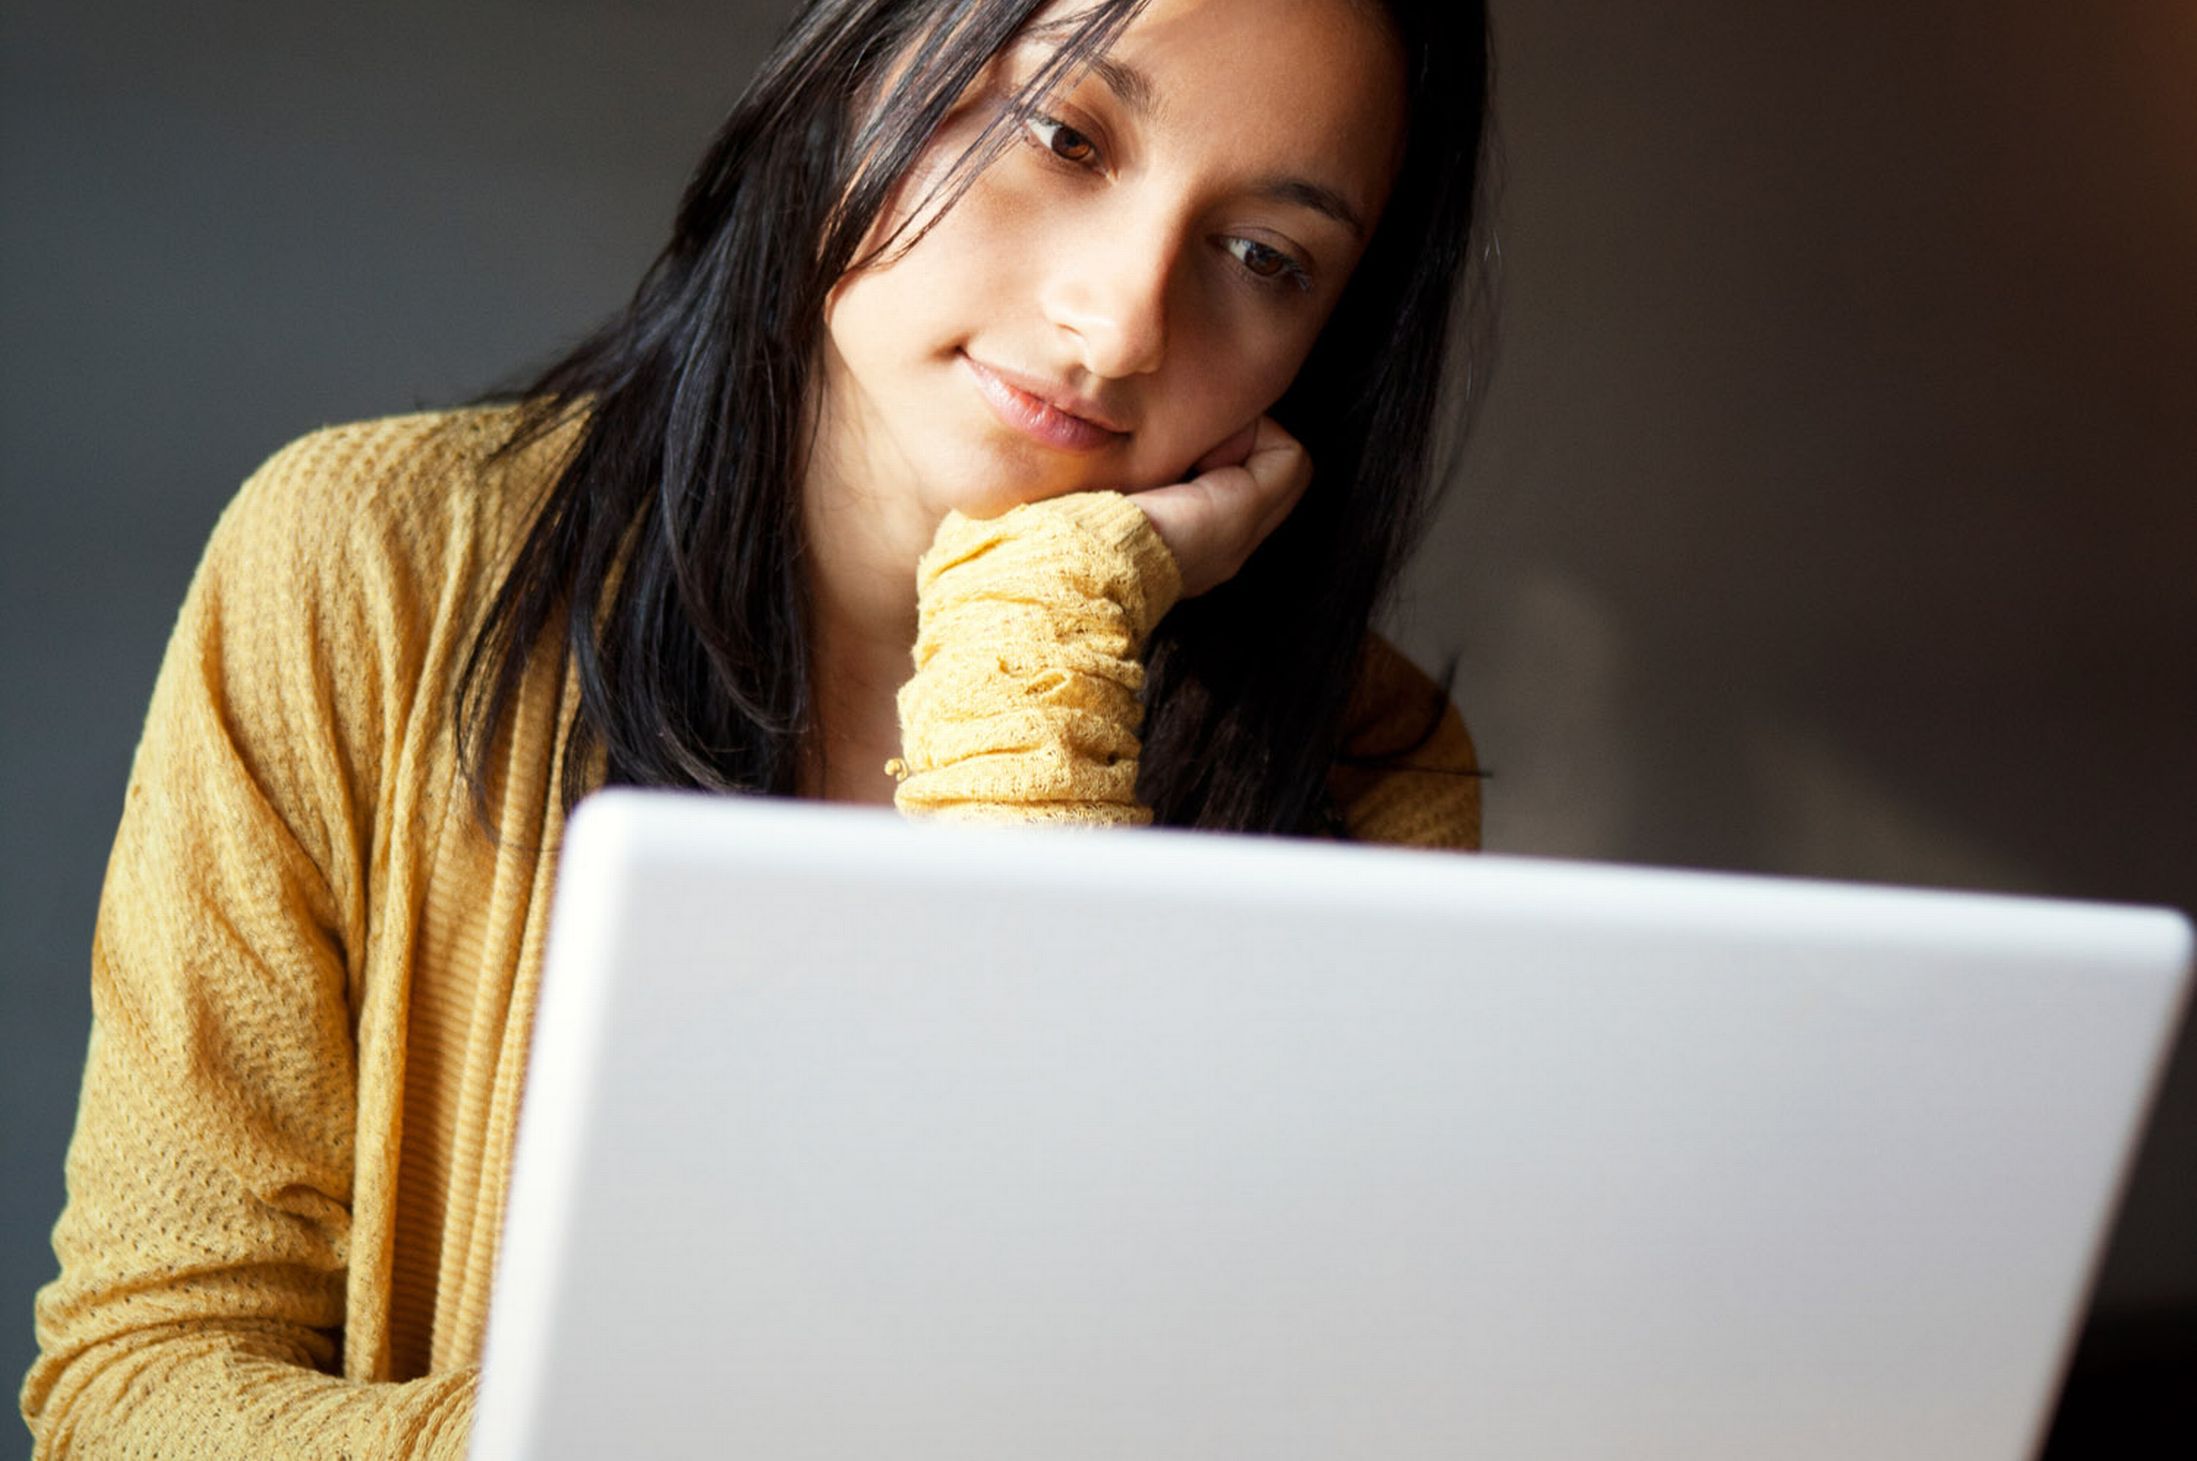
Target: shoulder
point(1407, 772)
point(397, 525)
point(411, 488)
point(345, 578)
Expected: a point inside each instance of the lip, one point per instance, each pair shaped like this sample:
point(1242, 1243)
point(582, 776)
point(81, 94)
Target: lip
point(1040, 411)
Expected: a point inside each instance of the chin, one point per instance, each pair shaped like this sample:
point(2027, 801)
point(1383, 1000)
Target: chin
point(986, 484)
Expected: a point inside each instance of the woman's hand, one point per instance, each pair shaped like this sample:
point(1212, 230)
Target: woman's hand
point(1237, 493)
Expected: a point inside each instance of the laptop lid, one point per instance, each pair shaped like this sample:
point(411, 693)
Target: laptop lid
point(847, 1136)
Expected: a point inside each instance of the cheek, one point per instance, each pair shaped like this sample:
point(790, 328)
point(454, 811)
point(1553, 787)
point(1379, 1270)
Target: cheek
point(1269, 373)
point(1218, 381)
point(883, 321)
point(931, 297)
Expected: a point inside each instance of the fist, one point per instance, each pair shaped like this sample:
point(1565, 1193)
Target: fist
point(1237, 494)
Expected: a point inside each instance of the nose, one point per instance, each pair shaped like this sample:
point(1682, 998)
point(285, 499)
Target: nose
point(1110, 297)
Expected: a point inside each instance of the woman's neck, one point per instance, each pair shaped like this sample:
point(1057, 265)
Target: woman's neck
point(861, 565)
point(856, 676)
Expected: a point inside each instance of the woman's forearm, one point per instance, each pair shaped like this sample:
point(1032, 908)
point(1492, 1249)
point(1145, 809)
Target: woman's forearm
point(1028, 662)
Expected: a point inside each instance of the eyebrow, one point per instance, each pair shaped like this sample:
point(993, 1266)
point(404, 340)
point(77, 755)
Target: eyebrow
point(1131, 87)
point(1307, 194)
point(1134, 90)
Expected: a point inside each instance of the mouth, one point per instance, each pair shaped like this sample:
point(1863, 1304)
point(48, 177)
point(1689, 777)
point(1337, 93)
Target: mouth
point(1016, 401)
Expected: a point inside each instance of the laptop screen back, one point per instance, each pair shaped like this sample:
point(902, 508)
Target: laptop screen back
point(851, 1137)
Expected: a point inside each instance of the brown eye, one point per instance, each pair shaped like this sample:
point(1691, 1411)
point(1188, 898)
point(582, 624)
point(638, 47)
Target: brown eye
point(1270, 265)
point(1062, 140)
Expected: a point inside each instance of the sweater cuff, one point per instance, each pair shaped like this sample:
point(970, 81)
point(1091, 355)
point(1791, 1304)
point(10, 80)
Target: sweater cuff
point(1120, 526)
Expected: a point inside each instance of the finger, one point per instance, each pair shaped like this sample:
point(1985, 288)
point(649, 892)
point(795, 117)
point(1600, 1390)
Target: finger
point(1230, 453)
point(1279, 466)
point(1270, 441)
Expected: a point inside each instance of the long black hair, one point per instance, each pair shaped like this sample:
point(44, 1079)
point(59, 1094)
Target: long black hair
point(669, 548)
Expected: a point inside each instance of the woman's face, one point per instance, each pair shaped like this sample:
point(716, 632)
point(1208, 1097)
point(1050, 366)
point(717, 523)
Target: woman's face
point(1155, 252)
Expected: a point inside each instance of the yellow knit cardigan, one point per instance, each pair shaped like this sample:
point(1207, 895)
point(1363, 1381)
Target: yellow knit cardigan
point(313, 975)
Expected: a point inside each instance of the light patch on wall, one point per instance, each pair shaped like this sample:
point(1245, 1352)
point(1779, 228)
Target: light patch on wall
point(1829, 816)
point(1556, 677)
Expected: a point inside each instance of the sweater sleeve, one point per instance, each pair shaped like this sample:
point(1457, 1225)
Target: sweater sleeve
point(200, 1302)
point(1028, 663)
point(1031, 628)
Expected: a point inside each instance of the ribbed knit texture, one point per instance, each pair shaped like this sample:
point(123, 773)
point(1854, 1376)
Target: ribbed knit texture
point(314, 977)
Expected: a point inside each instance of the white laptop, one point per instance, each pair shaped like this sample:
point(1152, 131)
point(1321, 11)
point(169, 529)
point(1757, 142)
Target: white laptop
point(850, 1137)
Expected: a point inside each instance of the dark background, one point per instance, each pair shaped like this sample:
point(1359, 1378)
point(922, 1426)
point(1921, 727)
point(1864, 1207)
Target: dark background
point(1832, 512)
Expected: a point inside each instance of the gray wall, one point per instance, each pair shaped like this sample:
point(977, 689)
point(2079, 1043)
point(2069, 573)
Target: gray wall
point(1832, 511)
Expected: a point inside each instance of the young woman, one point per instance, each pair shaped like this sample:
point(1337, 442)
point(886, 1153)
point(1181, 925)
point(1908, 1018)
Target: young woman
point(1003, 333)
